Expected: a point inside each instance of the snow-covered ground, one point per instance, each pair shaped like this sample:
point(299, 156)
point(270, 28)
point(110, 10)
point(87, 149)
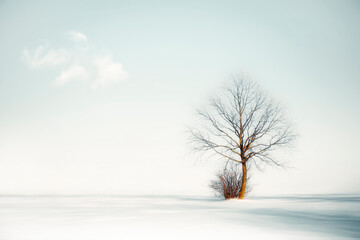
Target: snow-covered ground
point(178, 217)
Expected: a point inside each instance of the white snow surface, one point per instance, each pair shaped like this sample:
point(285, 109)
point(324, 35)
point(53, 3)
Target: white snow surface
point(113, 217)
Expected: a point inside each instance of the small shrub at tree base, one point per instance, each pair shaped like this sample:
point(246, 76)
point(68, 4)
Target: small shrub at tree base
point(228, 182)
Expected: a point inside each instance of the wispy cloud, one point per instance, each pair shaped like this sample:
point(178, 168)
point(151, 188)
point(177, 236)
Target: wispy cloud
point(75, 72)
point(108, 71)
point(43, 56)
point(77, 36)
point(76, 64)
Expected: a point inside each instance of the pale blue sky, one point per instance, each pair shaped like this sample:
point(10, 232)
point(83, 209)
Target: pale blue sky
point(161, 59)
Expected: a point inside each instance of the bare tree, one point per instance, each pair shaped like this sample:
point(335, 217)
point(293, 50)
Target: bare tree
point(242, 125)
point(228, 182)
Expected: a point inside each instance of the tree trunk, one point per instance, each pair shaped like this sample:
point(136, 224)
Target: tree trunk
point(243, 182)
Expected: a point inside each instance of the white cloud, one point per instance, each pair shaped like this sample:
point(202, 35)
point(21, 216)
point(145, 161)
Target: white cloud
point(108, 72)
point(43, 56)
point(78, 60)
point(77, 36)
point(75, 72)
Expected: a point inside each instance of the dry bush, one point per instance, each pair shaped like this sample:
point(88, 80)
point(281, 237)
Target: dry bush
point(228, 182)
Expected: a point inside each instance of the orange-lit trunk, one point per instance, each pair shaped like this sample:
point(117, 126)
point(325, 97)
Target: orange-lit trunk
point(243, 181)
